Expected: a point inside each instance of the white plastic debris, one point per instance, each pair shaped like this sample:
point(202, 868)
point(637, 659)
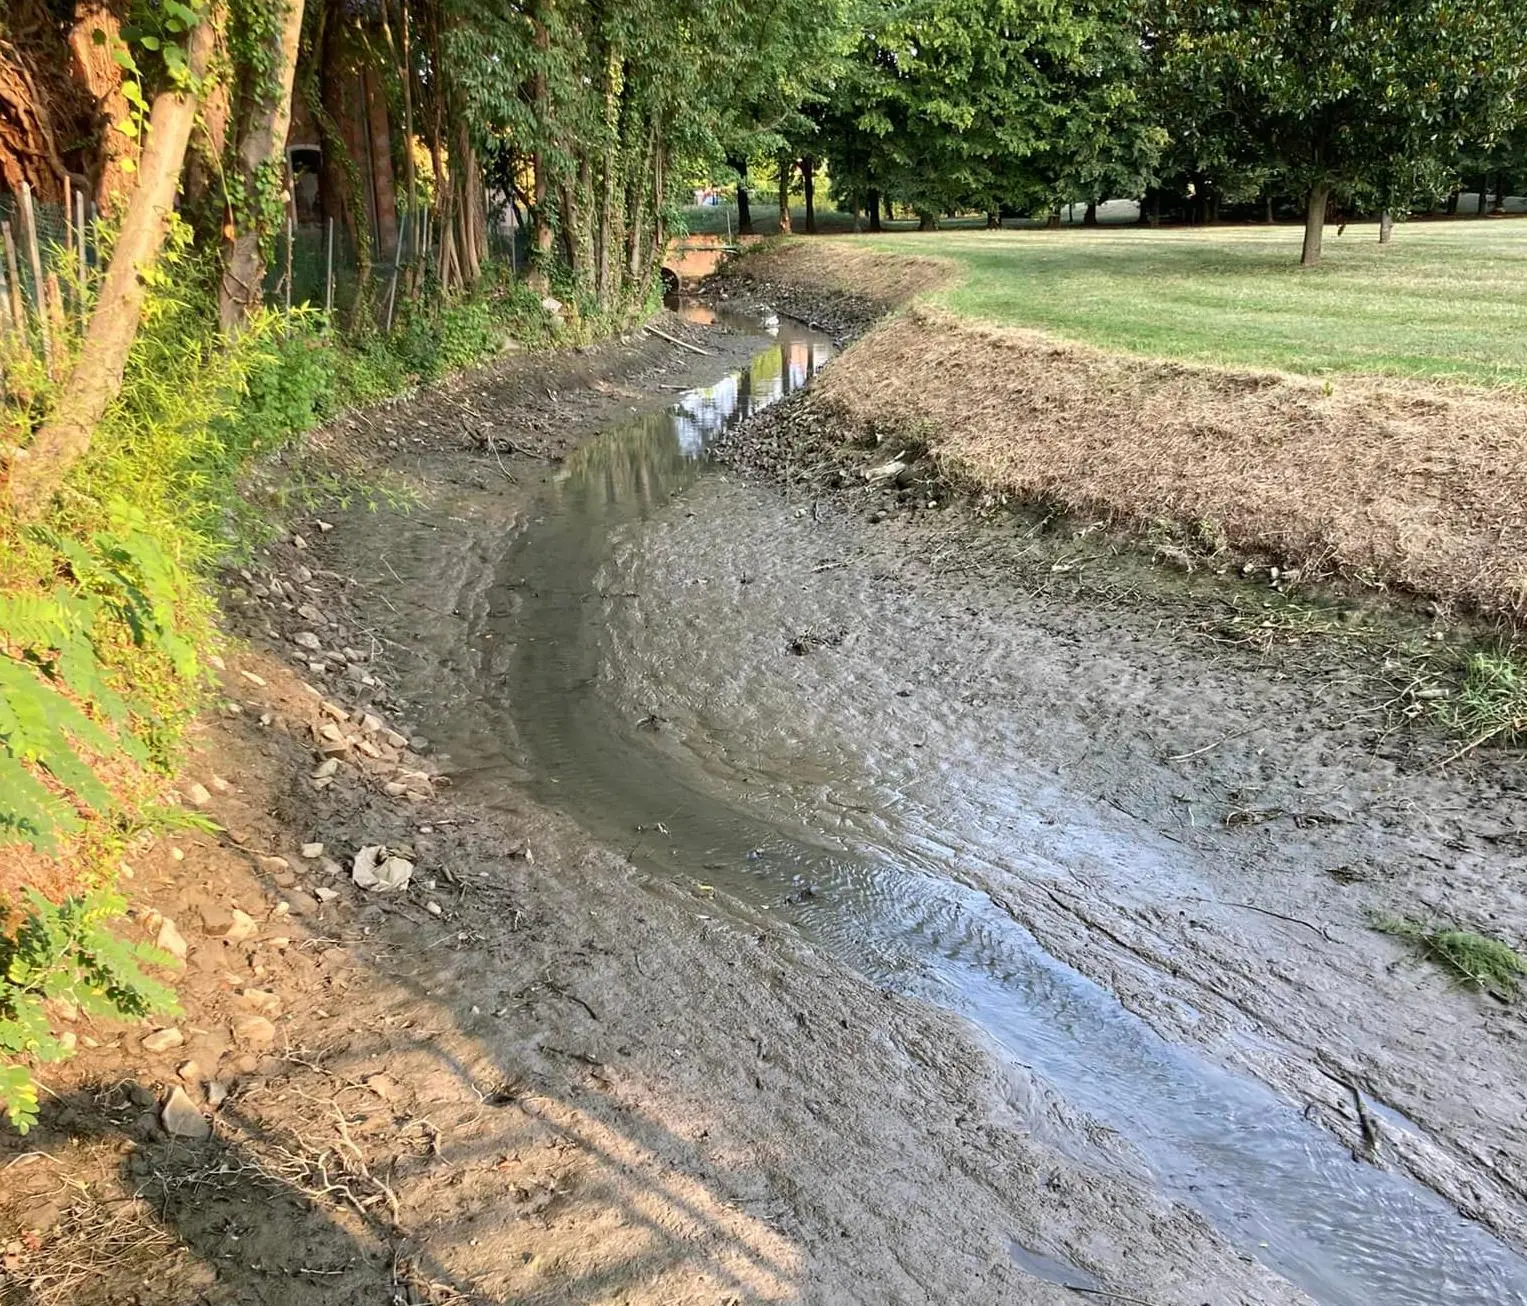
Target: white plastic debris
point(376, 868)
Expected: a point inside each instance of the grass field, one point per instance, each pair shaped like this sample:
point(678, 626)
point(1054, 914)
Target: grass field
point(1445, 300)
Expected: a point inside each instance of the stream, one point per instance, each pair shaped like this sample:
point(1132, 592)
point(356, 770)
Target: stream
point(636, 646)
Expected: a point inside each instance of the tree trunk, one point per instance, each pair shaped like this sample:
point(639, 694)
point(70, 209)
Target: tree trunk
point(1484, 194)
point(261, 146)
point(1451, 207)
point(1052, 223)
point(993, 221)
point(1314, 223)
point(786, 175)
point(1090, 216)
point(97, 375)
point(540, 248)
point(926, 221)
point(94, 38)
point(1386, 227)
point(808, 186)
point(1271, 218)
point(739, 165)
point(872, 203)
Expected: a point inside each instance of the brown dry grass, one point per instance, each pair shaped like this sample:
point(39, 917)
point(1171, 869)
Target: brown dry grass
point(843, 265)
point(1417, 486)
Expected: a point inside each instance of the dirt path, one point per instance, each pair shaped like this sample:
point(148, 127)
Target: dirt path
point(531, 1076)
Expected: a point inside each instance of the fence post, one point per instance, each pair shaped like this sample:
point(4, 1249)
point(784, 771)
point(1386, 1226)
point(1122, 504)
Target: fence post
point(328, 275)
point(397, 262)
point(34, 255)
point(5, 302)
point(79, 222)
point(18, 305)
point(68, 220)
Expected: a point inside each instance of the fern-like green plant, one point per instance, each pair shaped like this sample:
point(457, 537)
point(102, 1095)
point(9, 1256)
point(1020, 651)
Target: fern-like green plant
point(67, 952)
point(56, 699)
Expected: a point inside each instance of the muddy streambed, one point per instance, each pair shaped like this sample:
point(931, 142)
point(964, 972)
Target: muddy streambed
point(753, 696)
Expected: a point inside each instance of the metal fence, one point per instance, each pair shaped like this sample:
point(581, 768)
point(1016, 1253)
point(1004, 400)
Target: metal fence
point(48, 254)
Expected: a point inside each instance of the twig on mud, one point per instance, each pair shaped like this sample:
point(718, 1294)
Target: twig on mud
point(1197, 752)
point(682, 344)
point(1105, 1292)
point(1267, 911)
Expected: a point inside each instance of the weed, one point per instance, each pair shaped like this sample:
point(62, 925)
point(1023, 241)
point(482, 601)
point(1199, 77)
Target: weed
point(1491, 703)
point(1477, 959)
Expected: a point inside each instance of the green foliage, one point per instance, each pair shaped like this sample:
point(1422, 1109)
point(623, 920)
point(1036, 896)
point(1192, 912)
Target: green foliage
point(56, 692)
point(1476, 959)
point(1491, 702)
point(66, 952)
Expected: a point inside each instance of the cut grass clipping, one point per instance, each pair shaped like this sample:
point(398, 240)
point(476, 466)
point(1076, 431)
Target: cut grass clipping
point(1476, 959)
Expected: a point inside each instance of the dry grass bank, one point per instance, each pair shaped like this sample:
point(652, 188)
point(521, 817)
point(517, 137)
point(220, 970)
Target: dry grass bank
point(1412, 485)
point(844, 267)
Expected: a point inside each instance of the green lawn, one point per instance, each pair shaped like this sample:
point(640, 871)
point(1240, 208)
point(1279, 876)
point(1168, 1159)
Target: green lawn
point(1446, 299)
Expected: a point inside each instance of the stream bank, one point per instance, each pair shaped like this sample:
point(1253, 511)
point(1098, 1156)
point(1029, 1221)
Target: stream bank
point(541, 1073)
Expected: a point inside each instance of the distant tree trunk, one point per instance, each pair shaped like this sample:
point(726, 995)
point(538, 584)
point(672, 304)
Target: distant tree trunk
point(858, 215)
point(1090, 216)
point(261, 153)
point(993, 221)
point(1502, 182)
point(1271, 216)
point(808, 188)
point(890, 210)
point(1484, 194)
point(1052, 221)
point(1386, 227)
point(540, 95)
point(744, 209)
point(1451, 207)
point(872, 204)
point(926, 221)
point(1314, 223)
point(786, 174)
point(97, 375)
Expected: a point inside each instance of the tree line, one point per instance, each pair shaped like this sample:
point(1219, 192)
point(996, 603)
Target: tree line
point(589, 118)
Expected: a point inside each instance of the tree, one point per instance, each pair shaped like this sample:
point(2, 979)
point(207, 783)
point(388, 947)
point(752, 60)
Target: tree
point(97, 375)
point(1339, 94)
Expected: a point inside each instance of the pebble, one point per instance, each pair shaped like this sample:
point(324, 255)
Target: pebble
point(262, 1001)
point(309, 613)
point(181, 1118)
point(243, 927)
point(221, 785)
point(312, 851)
point(162, 1040)
point(253, 1032)
point(172, 941)
point(197, 794)
point(325, 894)
point(331, 732)
point(215, 918)
point(326, 768)
point(189, 1071)
point(298, 542)
point(217, 1093)
point(252, 678)
point(306, 639)
point(334, 710)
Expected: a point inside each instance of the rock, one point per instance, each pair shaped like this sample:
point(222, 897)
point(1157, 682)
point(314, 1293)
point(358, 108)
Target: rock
point(301, 575)
point(172, 941)
point(332, 732)
point(326, 768)
point(434, 909)
point(242, 927)
point(306, 639)
point(333, 710)
point(384, 1086)
point(215, 918)
point(217, 1093)
point(162, 1040)
point(221, 785)
point(885, 471)
point(394, 789)
point(419, 744)
point(298, 542)
point(262, 1001)
point(253, 679)
point(253, 1032)
point(197, 795)
point(330, 867)
point(190, 1071)
point(312, 851)
point(324, 526)
point(40, 1218)
point(181, 1118)
point(551, 304)
point(370, 723)
point(375, 868)
point(271, 865)
point(368, 748)
point(309, 613)
point(325, 894)
point(394, 739)
point(301, 904)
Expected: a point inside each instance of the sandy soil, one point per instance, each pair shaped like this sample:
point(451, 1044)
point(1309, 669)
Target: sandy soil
point(530, 1076)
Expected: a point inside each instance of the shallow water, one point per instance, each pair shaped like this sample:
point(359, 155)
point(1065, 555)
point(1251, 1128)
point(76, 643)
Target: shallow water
point(637, 634)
